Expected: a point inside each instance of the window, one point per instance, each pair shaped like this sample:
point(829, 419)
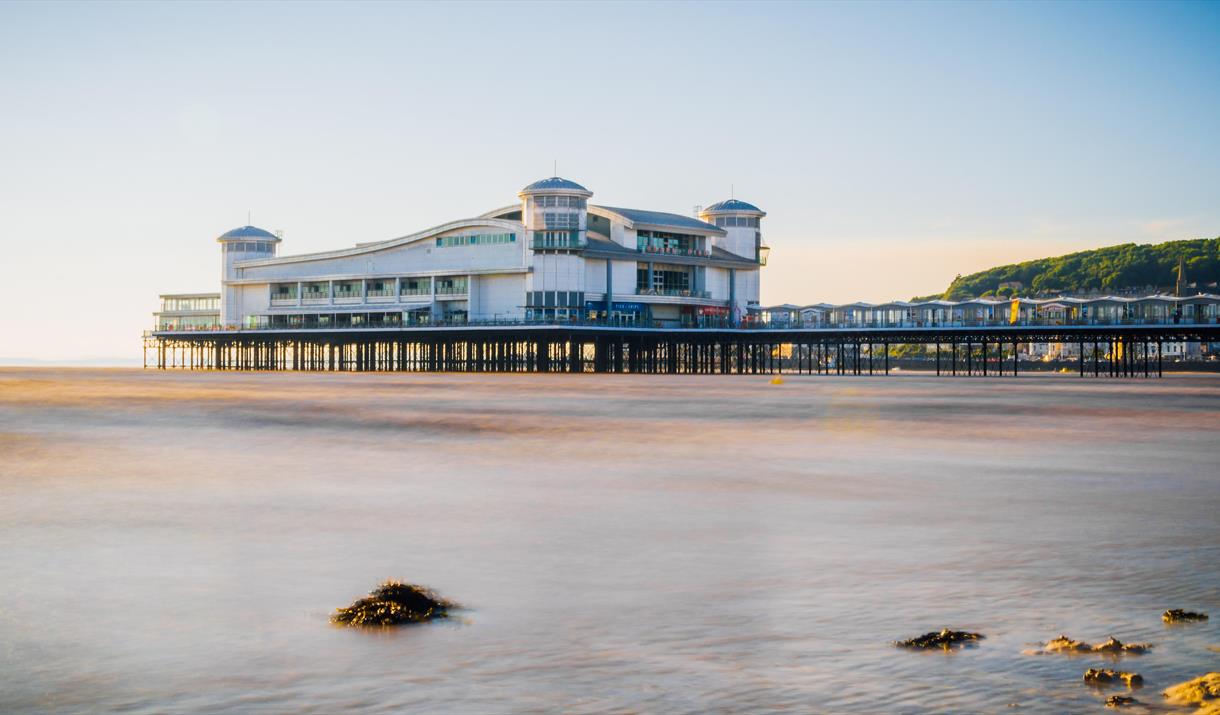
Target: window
point(555, 220)
point(665, 242)
point(451, 285)
point(737, 221)
point(666, 280)
point(557, 239)
point(476, 239)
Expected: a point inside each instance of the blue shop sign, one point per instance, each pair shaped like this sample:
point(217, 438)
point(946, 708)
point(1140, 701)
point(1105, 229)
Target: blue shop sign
point(616, 306)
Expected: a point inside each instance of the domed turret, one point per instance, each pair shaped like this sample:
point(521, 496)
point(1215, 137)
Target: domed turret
point(247, 232)
point(556, 183)
point(554, 212)
point(244, 243)
point(742, 221)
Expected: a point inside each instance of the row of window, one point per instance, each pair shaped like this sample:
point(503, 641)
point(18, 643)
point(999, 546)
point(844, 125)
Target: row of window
point(737, 221)
point(476, 239)
point(665, 241)
point(574, 202)
point(249, 247)
point(175, 305)
point(375, 287)
point(561, 220)
point(554, 298)
point(558, 239)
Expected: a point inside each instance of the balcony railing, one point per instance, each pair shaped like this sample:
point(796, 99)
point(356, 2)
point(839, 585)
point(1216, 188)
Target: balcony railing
point(451, 290)
point(327, 322)
point(425, 290)
point(380, 293)
point(656, 250)
point(674, 293)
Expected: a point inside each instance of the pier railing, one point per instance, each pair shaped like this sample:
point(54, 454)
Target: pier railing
point(703, 323)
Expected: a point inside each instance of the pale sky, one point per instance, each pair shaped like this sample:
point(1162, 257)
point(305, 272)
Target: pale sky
point(893, 145)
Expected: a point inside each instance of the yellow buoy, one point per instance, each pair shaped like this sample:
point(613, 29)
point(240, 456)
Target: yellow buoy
point(777, 380)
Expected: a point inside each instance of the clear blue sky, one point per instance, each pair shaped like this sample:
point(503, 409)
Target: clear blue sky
point(894, 145)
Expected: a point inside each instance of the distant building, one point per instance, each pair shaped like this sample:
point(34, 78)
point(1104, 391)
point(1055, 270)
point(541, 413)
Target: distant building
point(551, 256)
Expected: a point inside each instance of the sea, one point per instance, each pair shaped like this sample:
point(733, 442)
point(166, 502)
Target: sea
point(175, 541)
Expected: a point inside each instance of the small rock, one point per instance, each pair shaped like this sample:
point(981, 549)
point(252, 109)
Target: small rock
point(1063, 644)
point(1177, 615)
point(1202, 691)
point(1114, 645)
point(393, 603)
point(1105, 676)
point(945, 639)
point(1119, 701)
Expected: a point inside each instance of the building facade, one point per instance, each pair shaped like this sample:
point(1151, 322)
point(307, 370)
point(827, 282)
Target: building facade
point(550, 257)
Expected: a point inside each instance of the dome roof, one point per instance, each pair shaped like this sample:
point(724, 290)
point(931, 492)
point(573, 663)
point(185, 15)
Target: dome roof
point(248, 232)
point(732, 205)
point(555, 183)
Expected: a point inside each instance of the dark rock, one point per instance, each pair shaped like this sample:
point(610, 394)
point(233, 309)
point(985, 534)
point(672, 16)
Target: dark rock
point(1177, 615)
point(1118, 701)
point(945, 639)
point(394, 603)
point(1105, 676)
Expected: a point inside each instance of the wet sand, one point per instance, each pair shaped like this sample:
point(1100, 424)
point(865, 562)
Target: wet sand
point(174, 542)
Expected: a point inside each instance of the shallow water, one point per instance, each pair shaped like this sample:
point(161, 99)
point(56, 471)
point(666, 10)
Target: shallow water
point(174, 542)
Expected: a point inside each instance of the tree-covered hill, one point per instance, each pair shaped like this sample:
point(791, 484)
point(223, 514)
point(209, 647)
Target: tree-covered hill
point(1115, 269)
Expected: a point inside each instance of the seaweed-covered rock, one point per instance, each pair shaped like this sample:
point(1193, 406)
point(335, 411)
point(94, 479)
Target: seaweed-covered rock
point(1203, 691)
point(1105, 676)
point(945, 639)
point(1120, 701)
point(1177, 615)
point(394, 603)
point(1116, 646)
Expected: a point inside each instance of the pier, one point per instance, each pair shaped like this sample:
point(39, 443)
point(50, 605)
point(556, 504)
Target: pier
point(1103, 350)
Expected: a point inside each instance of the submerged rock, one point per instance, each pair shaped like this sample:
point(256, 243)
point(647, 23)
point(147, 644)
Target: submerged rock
point(1063, 644)
point(1118, 701)
point(945, 639)
point(1105, 676)
point(393, 603)
point(1203, 691)
point(1177, 615)
point(1114, 645)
